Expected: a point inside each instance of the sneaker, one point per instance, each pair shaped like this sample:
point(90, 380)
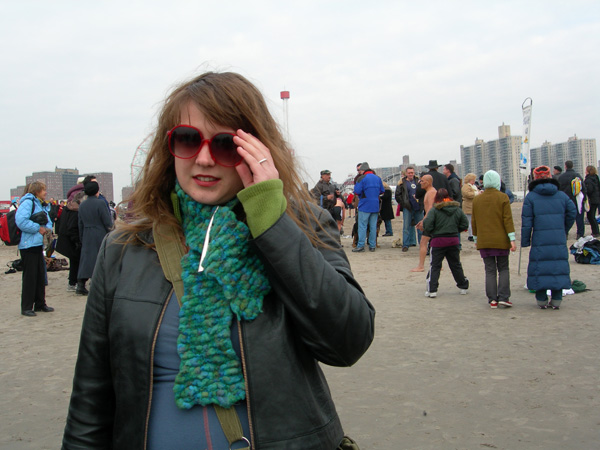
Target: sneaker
point(543, 306)
point(358, 249)
point(463, 292)
point(555, 307)
point(493, 304)
point(430, 294)
point(404, 249)
point(71, 287)
point(506, 303)
point(371, 249)
point(470, 238)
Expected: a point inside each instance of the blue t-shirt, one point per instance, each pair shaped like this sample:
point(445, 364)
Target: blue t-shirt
point(411, 188)
point(169, 426)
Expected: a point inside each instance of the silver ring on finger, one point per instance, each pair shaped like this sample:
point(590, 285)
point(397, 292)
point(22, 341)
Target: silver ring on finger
point(262, 160)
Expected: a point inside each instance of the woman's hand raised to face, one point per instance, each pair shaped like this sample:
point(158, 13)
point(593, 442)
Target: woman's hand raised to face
point(257, 164)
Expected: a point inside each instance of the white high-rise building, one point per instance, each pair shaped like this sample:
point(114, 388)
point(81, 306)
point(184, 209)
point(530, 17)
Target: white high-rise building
point(501, 155)
point(581, 151)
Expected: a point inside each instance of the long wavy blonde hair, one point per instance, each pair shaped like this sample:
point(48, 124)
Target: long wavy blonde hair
point(226, 99)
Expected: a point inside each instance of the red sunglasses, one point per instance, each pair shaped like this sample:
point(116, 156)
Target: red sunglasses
point(185, 142)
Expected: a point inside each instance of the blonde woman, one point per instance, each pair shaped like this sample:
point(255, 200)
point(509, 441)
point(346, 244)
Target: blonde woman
point(469, 191)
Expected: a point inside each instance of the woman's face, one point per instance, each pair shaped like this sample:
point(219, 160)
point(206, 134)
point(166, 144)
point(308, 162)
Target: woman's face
point(42, 194)
point(200, 177)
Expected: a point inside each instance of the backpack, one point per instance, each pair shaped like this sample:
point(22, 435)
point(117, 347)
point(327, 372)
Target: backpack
point(576, 186)
point(9, 231)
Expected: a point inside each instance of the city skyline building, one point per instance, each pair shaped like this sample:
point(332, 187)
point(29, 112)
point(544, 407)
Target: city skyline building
point(60, 181)
point(581, 151)
point(501, 155)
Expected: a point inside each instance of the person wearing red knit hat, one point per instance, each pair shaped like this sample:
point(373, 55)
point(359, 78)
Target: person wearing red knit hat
point(546, 218)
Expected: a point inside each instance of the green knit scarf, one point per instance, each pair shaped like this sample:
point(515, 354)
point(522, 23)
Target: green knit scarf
point(228, 278)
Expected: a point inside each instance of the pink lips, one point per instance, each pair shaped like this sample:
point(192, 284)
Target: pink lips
point(206, 180)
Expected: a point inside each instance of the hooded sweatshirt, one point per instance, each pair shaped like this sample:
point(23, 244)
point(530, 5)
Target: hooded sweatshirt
point(444, 222)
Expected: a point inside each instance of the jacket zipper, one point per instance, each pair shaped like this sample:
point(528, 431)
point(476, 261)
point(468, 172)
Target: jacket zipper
point(162, 313)
point(244, 369)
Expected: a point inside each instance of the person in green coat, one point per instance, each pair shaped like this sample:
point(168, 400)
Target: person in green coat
point(444, 223)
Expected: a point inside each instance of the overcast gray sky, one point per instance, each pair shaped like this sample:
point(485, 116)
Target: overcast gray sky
point(81, 82)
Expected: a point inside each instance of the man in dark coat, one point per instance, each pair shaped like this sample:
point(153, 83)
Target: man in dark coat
point(439, 179)
point(454, 182)
point(564, 182)
point(546, 218)
point(94, 223)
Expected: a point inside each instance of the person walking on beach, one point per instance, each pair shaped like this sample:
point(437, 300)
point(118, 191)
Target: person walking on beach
point(412, 212)
point(368, 190)
point(33, 221)
point(444, 222)
point(209, 317)
point(469, 191)
point(426, 183)
point(546, 218)
point(494, 234)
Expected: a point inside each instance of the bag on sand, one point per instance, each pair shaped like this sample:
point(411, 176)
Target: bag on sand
point(15, 266)
point(56, 264)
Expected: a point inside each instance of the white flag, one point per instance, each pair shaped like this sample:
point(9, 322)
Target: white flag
point(524, 163)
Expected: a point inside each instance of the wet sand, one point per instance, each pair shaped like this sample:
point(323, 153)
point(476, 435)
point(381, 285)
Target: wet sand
point(442, 373)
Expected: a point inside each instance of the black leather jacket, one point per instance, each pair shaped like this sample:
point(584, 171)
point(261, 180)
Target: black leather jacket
point(315, 312)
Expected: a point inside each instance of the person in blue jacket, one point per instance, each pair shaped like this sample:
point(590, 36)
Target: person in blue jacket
point(546, 218)
point(33, 226)
point(368, 190)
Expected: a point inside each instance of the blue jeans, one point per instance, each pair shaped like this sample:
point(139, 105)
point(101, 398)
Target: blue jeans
point(388, 226)
point(365, 220)
point(408, 230)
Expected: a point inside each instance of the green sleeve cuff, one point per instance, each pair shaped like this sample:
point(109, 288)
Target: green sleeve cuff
point(263, 204)
point(511, 236)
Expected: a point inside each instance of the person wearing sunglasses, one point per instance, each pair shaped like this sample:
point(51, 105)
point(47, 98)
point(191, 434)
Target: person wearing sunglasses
point(223, 295)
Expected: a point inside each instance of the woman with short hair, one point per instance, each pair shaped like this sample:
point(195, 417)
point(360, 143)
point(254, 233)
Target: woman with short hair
point(33, 221)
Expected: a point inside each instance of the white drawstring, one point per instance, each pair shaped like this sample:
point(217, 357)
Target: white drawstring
point(206, 240)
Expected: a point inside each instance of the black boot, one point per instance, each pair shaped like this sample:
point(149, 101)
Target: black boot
point(80, 289)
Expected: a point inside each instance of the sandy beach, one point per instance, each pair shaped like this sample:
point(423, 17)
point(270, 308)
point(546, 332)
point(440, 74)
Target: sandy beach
point(442, 373)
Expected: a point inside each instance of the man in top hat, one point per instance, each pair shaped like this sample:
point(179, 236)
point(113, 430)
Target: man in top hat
point(324, 191)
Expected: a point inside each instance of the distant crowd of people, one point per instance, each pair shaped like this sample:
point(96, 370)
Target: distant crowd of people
point(437, 207)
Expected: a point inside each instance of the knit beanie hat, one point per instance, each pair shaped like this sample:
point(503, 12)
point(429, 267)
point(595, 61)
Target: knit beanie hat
point(541, 172)
point(91, 188)
point(491, 179)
